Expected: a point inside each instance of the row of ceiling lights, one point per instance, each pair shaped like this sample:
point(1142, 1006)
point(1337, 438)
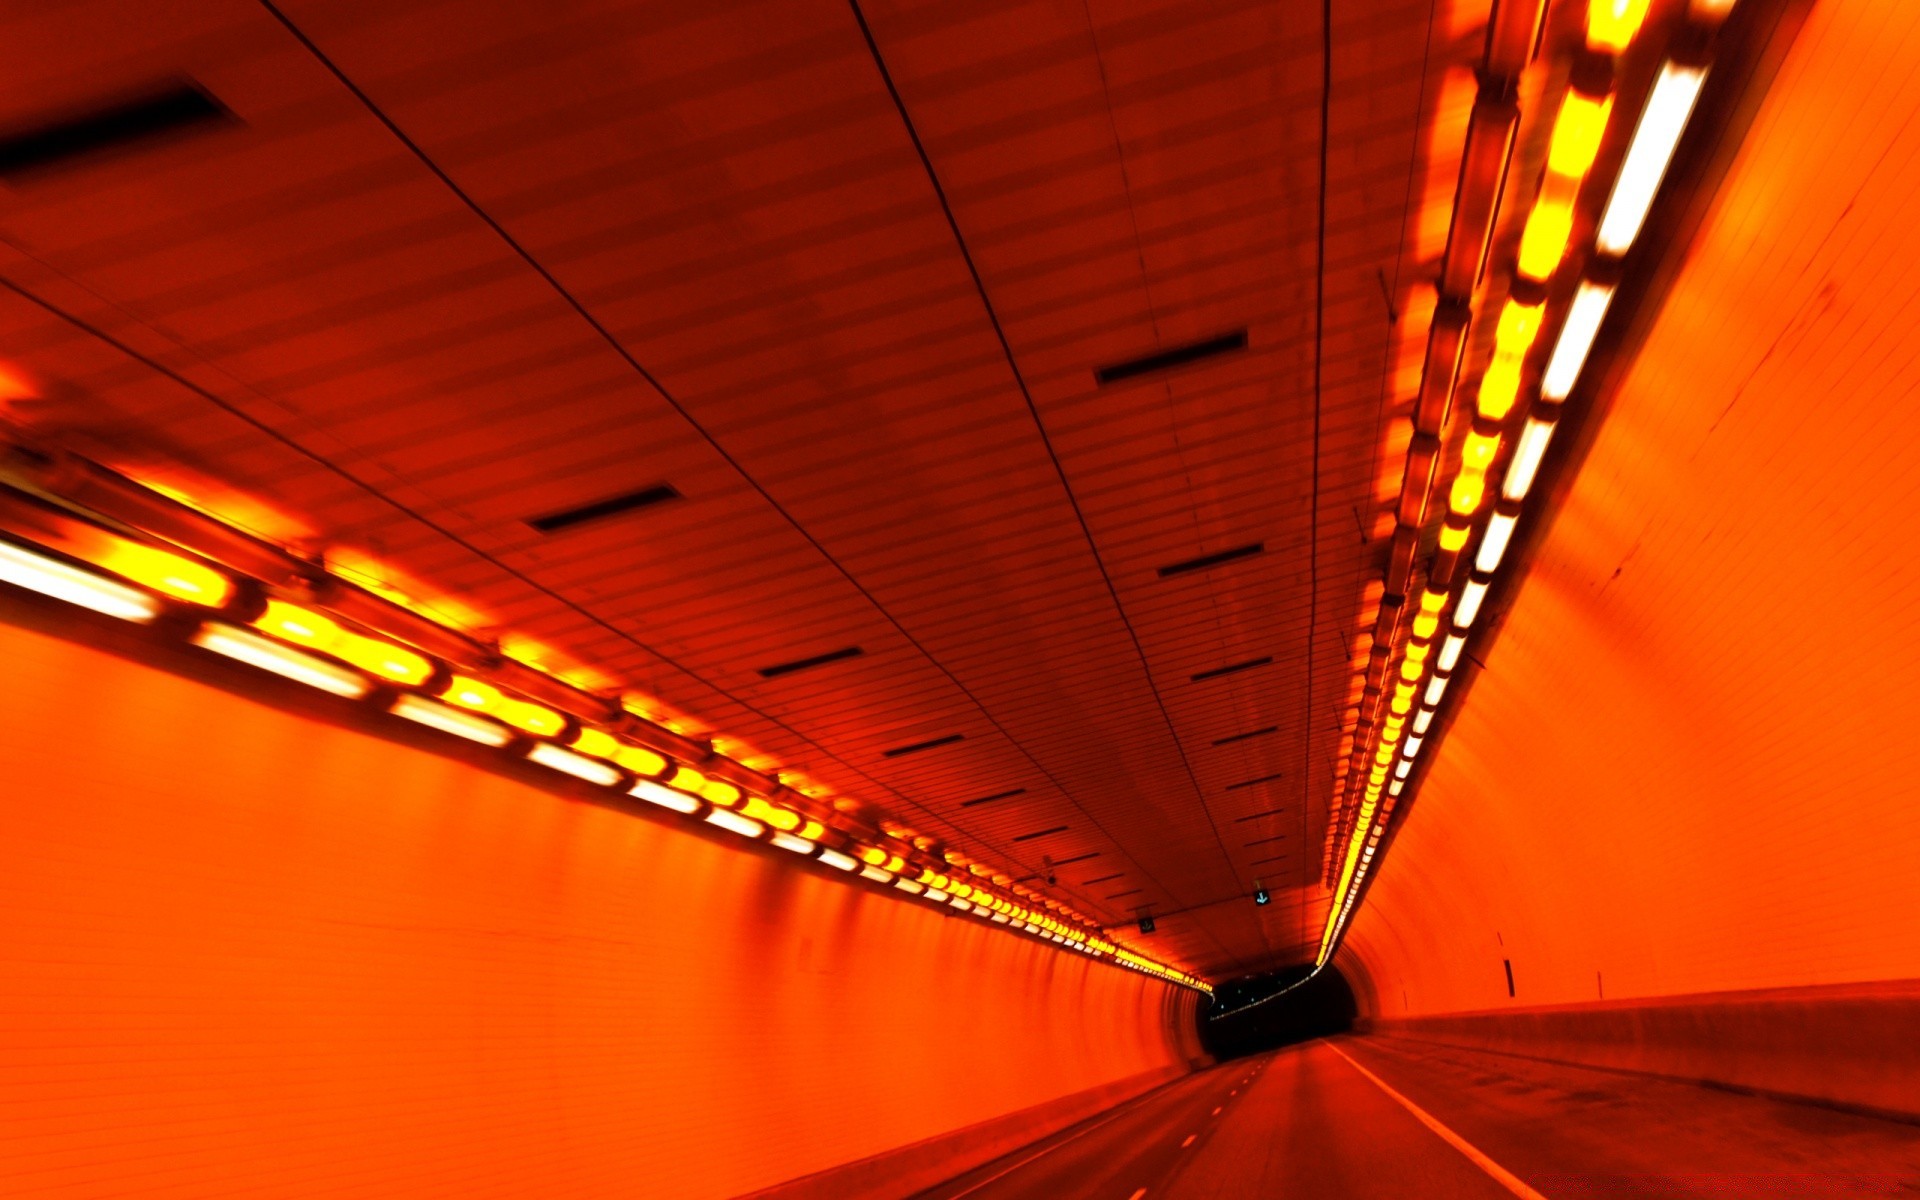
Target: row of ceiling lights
point(1383, 758)
point(292, 619)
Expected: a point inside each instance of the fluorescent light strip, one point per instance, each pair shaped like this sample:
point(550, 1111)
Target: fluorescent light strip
point(1527, 453)
point(733, 822)
point(909, 886)
point(1422, 719)
point(1584, 315)
point(51, 577)
point(936, 895)
point(838, 861)
point(787, 841)
point(256, 651)
point(1654, 139)
point(1450, 650)
point(665, 797)
point(1470, 599)
point(876, 874)
point(1396, 787)
point(960, 904)
point(577, 765)
point(1412, 748)
point(451, 720)
point(1400, 772)
point(1436, 688)
point(1493, 544)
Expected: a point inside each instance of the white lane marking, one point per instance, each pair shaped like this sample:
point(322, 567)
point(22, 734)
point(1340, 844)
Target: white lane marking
point(1499, 1174)
point(1216, 1112)
point(1138, 1194)
point(1189, 1141)
point(1117, 1111)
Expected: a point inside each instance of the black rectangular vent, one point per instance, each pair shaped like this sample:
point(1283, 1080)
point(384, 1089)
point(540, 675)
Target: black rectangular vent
point(1259, 862)
point(992, 798)
point(1026, 879)
point(1064, 862)
point(1249, 665)
point(1103, 879)
point(1040, 833)
point(1165, 360)
point(1128, 892)
point(1256, 816)
point(1247, 783)
point(917, 747)
point(170, 111)
point(1251, 733)
point(1212, 560)
point(600, 510)
point(1278, 837)
point(818, 660)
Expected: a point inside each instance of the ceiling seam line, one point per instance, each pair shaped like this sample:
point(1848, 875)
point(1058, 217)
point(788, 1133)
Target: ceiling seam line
point(1053, 456)
point(620, 349)
point(1319, 322)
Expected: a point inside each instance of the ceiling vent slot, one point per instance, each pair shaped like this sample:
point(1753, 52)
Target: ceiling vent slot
point(1040, 833)
point(1128, 892)
point(600, 510)
point(1212, 560)
point(1247, 783)
point(917, 747)
point(150, 117)
point(1263, 841)
point(1076, 858)
point(1235, 669)
point(1258, 862)
point(1251, 733)
point(992, 798)
point(1256, 816)
point(1103, 879)
point(1166, 360)
point(818, 660)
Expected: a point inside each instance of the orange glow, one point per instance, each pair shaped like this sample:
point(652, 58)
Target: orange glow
point(389, 583)
point(641, 761)
point(687, 779)
point(1549, 225)
point(471, 693)
point(1611, 24)
point(533, 718)
point(719, 791)
point(597, 742)
point(1469, 488)
point(219, 501)
point(388, 661)
point(1478, 451)
point(1452, 537)
point(1412, 669)
point(301, 626)
point(873, 856)
point(167, 573)
point(1577, 132)
point(779, 818)
point(1499, 387)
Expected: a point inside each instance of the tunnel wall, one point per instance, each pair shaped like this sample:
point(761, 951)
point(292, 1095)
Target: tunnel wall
point(261, 951)
point(1684, 781)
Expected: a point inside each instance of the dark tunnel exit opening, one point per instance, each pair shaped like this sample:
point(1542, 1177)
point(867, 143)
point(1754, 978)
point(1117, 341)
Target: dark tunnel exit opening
point(1264, 1012)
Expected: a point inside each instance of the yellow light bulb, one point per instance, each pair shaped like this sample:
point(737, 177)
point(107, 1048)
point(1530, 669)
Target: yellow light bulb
point(1478, 451)
point(384, 659)
point(1469, 488)
point(1544, 241)
point(471, 693)
point(165, 572)
point(1577, 132)
point(597, 742)
point(301, 626)
point(640, 760)
point(1611, 24)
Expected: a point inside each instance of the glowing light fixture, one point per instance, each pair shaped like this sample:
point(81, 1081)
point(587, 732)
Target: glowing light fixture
point(1412, 748)
point(1577, 132)
point(1406, 765)
point(524, 714)
point(597, 742)
point(577, 765)
point(301, 626)
point(909, 886)
point(446, 719)
point(165, 572)
point(733, 822)
point(1584, 315)
point(839, 861)
point(1471, 597)
point(787, 841)
point(665, 797)
point(297, 665)
point(1422, 721)
point(62, 581)
point(1544, 240)
point(1493, 546)
point(1436, 688)
point(1654, 140)
point(642, 761)
point(1527, 453)
point(470, 693)
point(388, 661)
point(1611, 24)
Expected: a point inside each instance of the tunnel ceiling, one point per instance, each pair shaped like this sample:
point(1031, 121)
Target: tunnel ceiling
point(841, 280)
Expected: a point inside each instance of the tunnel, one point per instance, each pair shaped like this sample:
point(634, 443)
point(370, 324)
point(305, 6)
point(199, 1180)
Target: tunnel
point(1006, 599)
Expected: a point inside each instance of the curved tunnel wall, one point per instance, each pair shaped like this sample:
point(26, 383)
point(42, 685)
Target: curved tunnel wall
point(1688, 766)
point(249, 951)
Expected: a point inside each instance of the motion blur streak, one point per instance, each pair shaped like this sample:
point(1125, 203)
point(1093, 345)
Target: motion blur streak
point(302, 953)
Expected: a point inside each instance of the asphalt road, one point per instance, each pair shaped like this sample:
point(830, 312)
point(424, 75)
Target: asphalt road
point(1393, 1118)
